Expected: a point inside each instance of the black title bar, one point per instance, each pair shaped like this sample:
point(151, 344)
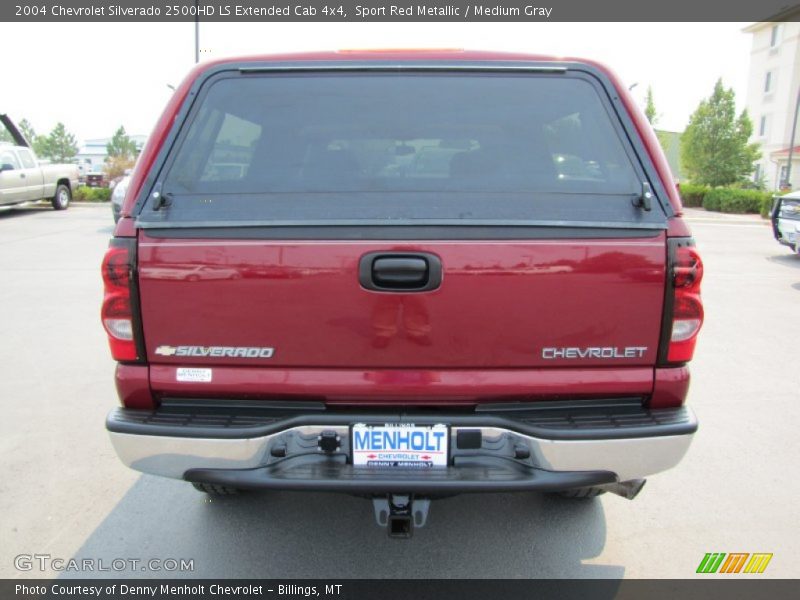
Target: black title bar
point(400, 11)
point(400, 589)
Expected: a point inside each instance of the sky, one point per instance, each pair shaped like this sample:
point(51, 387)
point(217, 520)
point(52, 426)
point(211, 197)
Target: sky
point(94, 77)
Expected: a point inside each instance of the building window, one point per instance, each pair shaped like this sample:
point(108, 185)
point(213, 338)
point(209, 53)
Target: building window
point(775, 36)
point(757, 173)
point(762, 126)
point(782, 177)
point(768, 82)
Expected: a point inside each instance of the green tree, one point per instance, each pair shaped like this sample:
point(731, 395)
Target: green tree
point(650, 107)
point(121, 146)
point(59, 146)
point(714, 148)
point(26, 129)
point(37, 142)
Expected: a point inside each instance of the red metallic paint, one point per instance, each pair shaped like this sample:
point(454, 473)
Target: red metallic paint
point(476, 338)
point(133, 386)
point(498, 305)
point(126, 227)
point(677, 227)
point(408, 386)
point(670, 388)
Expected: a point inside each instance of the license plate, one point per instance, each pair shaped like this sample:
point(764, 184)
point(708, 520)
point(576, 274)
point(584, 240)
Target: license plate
point(402, 446)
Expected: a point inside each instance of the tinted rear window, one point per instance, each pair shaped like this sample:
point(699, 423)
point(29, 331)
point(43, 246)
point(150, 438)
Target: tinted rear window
point(358, 147)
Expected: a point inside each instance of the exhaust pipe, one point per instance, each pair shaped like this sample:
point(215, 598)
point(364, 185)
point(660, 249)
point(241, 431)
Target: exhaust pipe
point(627, 489)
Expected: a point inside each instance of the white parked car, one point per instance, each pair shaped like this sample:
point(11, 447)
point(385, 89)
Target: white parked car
point(118, 195)
point(785, 216)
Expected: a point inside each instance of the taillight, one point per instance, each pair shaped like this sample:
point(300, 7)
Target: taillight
point(117, 313)
point(683, 307)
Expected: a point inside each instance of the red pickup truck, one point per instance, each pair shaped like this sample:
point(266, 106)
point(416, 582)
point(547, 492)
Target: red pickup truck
point(402, 275)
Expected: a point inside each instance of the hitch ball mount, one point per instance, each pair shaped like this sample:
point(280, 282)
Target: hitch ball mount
point(401, 513)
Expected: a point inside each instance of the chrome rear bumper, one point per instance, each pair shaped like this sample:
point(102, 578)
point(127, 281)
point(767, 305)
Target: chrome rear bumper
point(604, 446)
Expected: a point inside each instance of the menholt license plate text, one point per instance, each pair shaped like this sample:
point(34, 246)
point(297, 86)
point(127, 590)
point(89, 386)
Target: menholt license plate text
point(400, 446)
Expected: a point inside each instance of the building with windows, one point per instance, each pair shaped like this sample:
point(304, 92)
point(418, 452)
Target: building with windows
point(772, 97)
point(91, 157)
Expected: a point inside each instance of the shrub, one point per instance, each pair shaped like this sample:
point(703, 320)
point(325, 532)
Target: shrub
point(89, 194)
point(692, 194)
point(79, 193)
point(766, 204)
point(101, 194)
point(734, 200)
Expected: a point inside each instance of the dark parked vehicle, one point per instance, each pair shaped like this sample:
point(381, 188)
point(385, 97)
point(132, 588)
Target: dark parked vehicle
point(403, 275)
point(95, 180)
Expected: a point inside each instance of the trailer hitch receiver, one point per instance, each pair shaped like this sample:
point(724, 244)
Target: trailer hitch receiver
point(401, 513)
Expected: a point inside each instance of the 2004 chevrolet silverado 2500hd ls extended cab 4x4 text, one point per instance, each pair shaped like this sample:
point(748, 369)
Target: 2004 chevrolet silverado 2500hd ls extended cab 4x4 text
point(402, 275)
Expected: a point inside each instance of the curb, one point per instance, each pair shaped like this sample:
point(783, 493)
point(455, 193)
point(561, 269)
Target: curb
point(708, 215)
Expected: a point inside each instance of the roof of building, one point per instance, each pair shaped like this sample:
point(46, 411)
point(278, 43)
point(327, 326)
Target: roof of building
point(103, 141)
point(783, 151)
point(97, 146)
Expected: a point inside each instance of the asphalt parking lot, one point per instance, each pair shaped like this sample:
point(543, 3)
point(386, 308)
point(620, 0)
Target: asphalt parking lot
point(63, 493)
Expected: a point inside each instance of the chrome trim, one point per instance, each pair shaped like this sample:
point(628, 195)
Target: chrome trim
point(788, 229)
point(173, 456)
point(629, 458)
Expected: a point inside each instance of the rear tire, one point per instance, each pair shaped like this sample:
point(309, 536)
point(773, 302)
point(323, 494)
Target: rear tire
point(62, 197)
point(585, 493)
point(213, 489)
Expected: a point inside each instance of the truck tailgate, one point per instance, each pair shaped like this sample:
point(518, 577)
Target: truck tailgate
point(521, 304)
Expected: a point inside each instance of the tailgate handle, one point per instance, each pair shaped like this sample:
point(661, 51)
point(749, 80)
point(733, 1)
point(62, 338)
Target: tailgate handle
point(415, 272)
point(400, 272)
